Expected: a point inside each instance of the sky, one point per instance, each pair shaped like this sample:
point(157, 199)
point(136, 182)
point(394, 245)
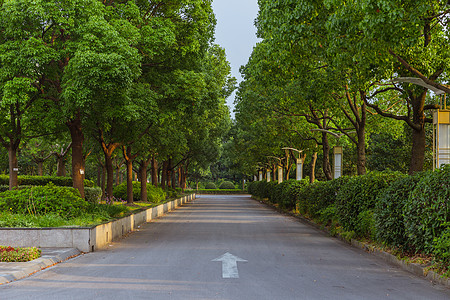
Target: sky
point(236, 32)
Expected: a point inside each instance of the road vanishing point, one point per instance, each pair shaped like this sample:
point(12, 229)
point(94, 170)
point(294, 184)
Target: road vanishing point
point(225, 247)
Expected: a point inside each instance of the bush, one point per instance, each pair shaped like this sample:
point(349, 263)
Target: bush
point(40, 200)
point(154, 194)
point(210, 186)
point(389, 211)
point(93, 194)
point(427, 210)
point(322, 194)
point(441, 247)
point(357, 195)
point(227, 185)
point(43, 180)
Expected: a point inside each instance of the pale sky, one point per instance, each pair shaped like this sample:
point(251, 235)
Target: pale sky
point(236, 32)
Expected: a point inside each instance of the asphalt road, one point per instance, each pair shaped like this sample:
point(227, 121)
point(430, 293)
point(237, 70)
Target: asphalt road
point(178, 257)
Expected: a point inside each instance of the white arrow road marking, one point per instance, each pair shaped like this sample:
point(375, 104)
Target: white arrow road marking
point(229, 265)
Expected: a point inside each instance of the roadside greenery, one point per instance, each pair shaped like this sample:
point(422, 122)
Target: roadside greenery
point(407, 214)
point(18, 254)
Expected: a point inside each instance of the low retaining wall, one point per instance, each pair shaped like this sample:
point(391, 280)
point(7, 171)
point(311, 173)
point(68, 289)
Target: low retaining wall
point(85, 239)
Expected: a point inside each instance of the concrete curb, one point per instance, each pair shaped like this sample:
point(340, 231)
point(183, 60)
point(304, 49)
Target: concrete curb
point(50, 256)
point(416, 269)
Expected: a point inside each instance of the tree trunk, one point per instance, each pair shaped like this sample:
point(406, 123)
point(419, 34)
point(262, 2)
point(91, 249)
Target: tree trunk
point(418, 134)
point(417, 151)
point(154, 171)
point(129, 164)
point(109, 175)
point(361, 151)
point(40, 168)
point(169, 173)
point(164, 175)
point(13, 166)
point(326, 157)
point(143, 178)
point(312, 166)
point(103, 183)
point(174, 179)
point(77, 136)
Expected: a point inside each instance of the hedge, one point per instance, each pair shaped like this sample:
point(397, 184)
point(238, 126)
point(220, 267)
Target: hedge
point(41, 200)
point(43, 180)
point(409, 213)
point(220, 192)
point(154, 194)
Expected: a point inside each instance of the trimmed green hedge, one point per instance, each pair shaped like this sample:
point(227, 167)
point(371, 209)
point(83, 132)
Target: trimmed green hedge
point(219, 191)
point(154, 194)
point(409, 213)
point(43, 180)
point(41, 200)
point(211, 186)
point(227, 185)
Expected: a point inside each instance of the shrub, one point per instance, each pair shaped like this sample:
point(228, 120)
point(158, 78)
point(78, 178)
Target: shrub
point(227, 185)
point(323, 194)
point(210, 186)
point(39, 200)
point(93, 194)
point(154, 194)
point(389, 211)
point(357, 195)
point(43, 180)
point(10, 254)
point(441, 247)
point(427, 209)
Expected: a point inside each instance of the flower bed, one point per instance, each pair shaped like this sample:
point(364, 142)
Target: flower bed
point(11, 254)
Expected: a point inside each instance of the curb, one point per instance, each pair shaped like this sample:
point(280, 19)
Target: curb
point(416, 269)
point(50, 256)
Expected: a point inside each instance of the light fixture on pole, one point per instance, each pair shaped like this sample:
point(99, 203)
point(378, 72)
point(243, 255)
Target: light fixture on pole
point(299, 162)
point(441, 123)
point(280, 169)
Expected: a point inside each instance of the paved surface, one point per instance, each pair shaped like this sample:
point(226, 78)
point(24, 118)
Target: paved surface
point(184, 256)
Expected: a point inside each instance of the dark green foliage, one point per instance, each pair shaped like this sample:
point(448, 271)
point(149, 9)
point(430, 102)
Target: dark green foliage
point(260, 189)
point(389, 211)
point(428, 209)
point(40, 200)
point(154, 194)
point(93, 194)
point(171, 193)
point(210, 186)
point(227, 185)
point(441, 248)
point(43, 180)
point(221, 192)
point(323, 194)
point(358, 195)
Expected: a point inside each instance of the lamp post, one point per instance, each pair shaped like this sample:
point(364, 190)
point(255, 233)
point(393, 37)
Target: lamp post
point(338, 160)
point(299, 161)
point(441, 123)
point(280, 169)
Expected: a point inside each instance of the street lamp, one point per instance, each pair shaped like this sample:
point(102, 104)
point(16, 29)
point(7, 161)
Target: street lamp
point(441, 123)
point(300, 160)
point(338, 153)
point(280, 169)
